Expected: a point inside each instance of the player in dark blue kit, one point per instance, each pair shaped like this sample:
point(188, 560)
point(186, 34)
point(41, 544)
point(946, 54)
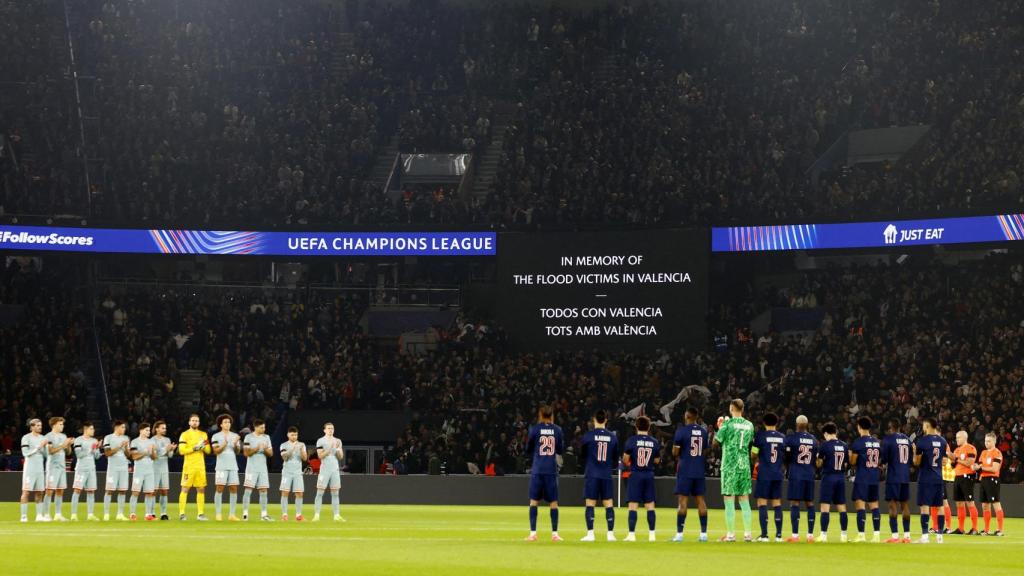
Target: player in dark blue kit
point(929, 455)
point(543, 447)
point(600, 450)
point(832, 459)
point(641, 453)
point(896, 453)
point(801, 451)
point(865, 457)
point(770, 449)
point(690, 444)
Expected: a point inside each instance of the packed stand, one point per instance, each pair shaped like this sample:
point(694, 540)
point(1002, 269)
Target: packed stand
point(252, 352)
point(41, 369)
point(40, 170)
point(259, 113)
point(895, 343)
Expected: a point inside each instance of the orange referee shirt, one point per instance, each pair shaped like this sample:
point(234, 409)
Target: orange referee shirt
point(991, 457)
point(960, 457)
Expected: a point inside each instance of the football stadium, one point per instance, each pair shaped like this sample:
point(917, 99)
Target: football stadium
point(503, 287)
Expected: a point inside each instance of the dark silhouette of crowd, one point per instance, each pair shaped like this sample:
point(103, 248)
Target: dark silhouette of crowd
point(263, 114)
point(258, 113)
point(42, 331)
point(890, 341)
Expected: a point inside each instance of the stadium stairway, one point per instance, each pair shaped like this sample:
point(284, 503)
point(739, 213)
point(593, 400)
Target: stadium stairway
point(607, 70)
point(383, 163)
point(344, 46)
point(188, 386)
point(96, 398)
point(487, 167)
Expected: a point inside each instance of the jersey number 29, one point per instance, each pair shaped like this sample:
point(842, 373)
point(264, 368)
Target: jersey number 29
point(547, 446)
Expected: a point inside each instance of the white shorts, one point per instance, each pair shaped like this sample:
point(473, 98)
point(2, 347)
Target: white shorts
point(144, 483)
point(259, 479)
point(163, 479)
point(225, 477)
point(85, 480)
point(117, 480)
point(331, 480)
point(292, 482)
point(56, 480)
point(33, 481)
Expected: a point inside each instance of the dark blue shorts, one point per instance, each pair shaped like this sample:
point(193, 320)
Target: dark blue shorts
point(898, 492)
point(800, 491)
point(769, 489)
point(930, 494)
point(866, 492)
point(690, 486)
point(598, 489)
point(544, 487)
point(833, 490)
point(640, 490)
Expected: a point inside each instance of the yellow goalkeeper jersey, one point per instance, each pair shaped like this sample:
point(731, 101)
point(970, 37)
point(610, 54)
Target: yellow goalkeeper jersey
point(947, 471)
point(187, 442)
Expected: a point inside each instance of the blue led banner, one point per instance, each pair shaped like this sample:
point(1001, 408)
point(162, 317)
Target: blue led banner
point(107, 240)
point(884, 234)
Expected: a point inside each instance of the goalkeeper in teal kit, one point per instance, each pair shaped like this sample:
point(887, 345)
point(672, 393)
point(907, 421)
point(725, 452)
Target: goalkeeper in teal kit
point(735, 435)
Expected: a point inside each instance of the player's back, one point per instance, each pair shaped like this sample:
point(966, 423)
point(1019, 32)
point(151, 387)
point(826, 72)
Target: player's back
point(601, 452)
point(30, 443)
point(771, 449)
point(736, 436)
point(227, 460)
point(869, 454)
point(643, 450)
point(801, 452)
point(544, 445)
point(896, 452)
point(932, 449)
point(693, 441)
point(834, 455)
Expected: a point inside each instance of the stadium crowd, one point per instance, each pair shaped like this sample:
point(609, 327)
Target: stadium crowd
point(43, 335)
point(893, 342)
point(270, 114)
point(646, 112)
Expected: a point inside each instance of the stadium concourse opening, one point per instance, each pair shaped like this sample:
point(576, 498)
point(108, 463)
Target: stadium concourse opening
point(614, 270)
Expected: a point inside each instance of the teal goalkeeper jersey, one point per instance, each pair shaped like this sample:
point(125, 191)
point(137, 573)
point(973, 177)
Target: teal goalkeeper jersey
point(736, 435)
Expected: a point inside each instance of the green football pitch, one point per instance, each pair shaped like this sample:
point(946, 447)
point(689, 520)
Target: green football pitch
point(426, 540)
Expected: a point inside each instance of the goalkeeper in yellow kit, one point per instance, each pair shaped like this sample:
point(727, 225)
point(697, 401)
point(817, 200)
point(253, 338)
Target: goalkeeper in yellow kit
point(193, 445)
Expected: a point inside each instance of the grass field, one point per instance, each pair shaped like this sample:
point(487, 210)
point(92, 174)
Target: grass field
point(427, 540)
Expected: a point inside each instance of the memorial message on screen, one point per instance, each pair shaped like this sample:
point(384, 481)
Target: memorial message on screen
point(604, 289)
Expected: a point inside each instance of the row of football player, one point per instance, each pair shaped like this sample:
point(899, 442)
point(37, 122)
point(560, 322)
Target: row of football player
point(44, 475)
point(797, 456)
